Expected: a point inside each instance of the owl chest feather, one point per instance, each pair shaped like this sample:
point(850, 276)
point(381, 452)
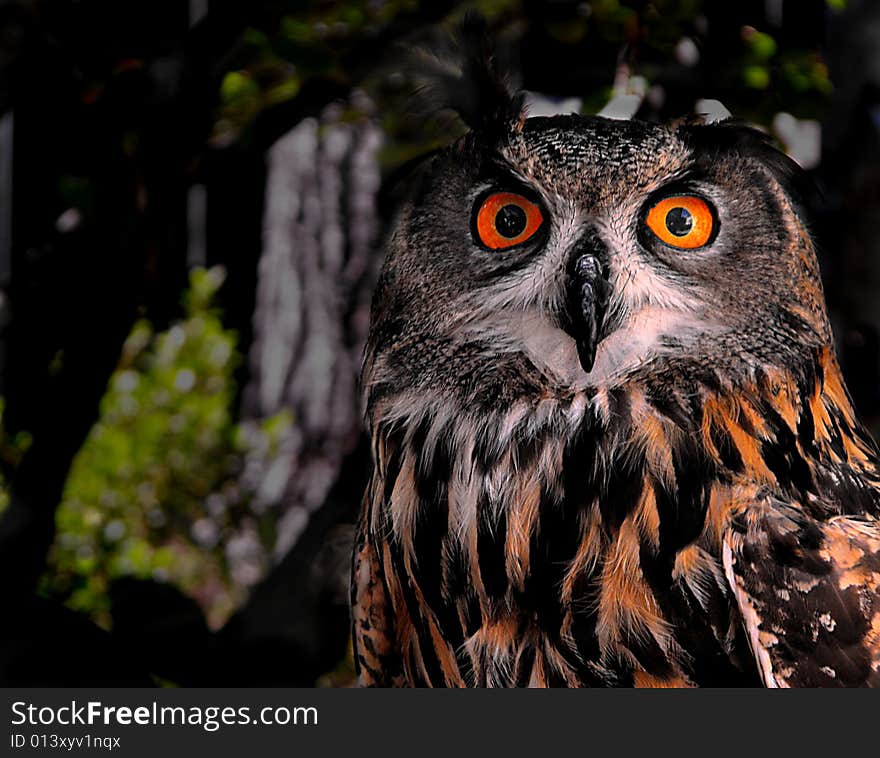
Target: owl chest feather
point(578, 541)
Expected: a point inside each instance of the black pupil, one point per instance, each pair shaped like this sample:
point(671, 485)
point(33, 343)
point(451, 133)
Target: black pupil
point(679, 221)
point(510, 221)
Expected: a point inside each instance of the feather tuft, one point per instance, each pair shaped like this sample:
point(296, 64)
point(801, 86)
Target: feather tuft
point(464, 76)
point(734, 137)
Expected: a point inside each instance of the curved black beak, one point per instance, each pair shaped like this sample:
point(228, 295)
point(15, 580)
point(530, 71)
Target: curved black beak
point(587, 294)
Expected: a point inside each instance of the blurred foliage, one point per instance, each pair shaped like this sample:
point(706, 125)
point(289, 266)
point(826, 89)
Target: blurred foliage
point(311, 40)
point(667, 44)
point(154, 491)
point(12, 447)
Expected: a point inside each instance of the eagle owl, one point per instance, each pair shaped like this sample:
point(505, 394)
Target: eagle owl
point(611, 442)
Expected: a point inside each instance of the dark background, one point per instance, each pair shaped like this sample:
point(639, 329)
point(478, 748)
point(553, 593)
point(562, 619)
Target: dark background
point(191, 204)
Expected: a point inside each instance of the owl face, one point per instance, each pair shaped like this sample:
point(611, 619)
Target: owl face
point(575, 252)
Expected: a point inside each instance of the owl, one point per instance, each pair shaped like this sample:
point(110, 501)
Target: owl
point(611, 441)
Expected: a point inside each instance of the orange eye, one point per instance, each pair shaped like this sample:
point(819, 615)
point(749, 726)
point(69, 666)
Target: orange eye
point(506, 219)
point(682, 221)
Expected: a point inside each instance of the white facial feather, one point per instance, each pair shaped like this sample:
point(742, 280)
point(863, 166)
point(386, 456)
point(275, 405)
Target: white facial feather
point(515, 315)
point(641, 339)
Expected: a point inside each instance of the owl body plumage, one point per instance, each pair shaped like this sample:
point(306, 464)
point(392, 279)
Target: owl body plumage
point(644, 470)
point(625, 537)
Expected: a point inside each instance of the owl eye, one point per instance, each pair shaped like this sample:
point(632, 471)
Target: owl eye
point(506, 219)
point(682, 221)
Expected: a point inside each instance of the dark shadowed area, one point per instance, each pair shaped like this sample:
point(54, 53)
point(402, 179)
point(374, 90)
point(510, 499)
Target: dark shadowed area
point(192, 202)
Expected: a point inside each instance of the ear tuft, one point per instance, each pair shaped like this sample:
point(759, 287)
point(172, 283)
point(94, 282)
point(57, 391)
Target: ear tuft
point(465, 77)
point(734, 137)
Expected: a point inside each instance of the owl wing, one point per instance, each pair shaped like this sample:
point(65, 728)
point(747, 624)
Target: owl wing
point(808, 591)
point(376, 654)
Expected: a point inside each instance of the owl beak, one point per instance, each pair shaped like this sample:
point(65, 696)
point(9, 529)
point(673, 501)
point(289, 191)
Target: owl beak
point(587, 296)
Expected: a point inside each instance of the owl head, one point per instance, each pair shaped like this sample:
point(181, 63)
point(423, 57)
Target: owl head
point(542, 256)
